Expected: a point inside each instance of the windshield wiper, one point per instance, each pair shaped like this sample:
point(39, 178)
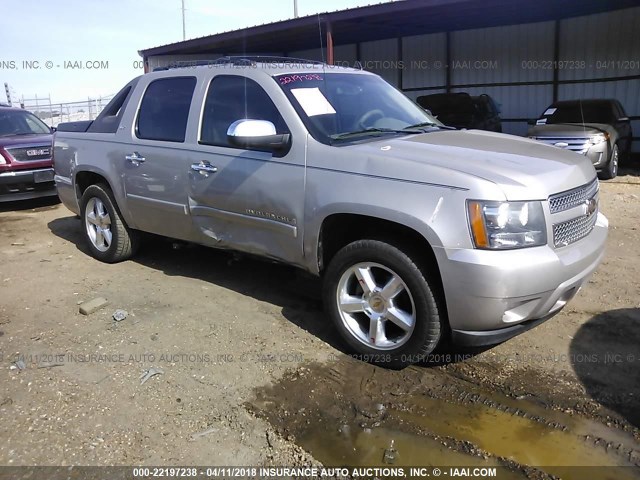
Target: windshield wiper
point(430, 124)
point(372, 131)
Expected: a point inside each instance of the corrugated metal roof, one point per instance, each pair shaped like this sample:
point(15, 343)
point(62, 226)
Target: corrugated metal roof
point(386, 20)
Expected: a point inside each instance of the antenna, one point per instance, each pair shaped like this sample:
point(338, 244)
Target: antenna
point(584, 127)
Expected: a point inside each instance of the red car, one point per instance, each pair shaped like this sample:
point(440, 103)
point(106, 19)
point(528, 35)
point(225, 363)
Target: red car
point(26, 167)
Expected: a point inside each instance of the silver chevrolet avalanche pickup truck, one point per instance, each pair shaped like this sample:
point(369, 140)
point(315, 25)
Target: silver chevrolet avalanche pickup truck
point(421, 233)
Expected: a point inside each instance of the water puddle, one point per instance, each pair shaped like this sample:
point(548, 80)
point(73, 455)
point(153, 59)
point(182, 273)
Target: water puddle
point(349, 413)
point(355, 446)
point(526, 441)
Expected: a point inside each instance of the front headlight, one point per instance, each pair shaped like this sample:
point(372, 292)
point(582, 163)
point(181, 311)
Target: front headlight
point(505, 225)
point(598, 138)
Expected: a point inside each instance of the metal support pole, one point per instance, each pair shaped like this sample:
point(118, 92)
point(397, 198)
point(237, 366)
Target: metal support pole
point(556, 59)
point(6, 89)
point(448, 62)
point(329, 44)
point(184, 27)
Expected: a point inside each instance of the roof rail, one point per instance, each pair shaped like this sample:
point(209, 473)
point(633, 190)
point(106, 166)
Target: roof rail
point(240, 60)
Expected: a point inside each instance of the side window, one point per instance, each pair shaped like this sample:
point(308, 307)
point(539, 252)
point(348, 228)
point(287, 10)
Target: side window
point(232, 98)
point(109, 118)
point(613, 112)
point(165, 109)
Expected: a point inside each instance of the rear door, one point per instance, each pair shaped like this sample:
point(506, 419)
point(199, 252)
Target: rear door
point(243, 199)
point(154, 162)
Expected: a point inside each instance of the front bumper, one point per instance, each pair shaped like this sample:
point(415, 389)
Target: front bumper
point(599, 155)
point(26, 184)
point(495, 295)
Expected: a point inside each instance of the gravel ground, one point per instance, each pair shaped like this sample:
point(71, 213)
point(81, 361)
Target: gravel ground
point(229, 334)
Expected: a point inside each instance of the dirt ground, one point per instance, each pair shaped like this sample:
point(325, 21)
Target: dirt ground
point(254, 375)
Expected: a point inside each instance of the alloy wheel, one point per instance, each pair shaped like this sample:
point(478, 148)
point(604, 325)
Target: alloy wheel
point(376, 306)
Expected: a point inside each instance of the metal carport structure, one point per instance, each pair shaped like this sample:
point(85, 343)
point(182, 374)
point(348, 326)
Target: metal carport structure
point(524, 53)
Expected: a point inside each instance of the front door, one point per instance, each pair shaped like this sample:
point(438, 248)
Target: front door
point(242, 199)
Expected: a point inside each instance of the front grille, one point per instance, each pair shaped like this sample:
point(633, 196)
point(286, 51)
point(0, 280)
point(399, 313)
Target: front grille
point(571, 231)
point(30, 153)
point(575, 144)
point(572, 198)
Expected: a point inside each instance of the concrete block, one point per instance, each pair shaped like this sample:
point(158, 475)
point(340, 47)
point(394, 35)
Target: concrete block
point(87, 308)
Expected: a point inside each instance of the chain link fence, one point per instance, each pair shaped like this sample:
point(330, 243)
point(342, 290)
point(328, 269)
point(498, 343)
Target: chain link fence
point(54, 113)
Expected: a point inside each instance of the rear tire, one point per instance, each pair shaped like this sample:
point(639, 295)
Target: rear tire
point(382, 304)
point(611, 170)
point(109, 238)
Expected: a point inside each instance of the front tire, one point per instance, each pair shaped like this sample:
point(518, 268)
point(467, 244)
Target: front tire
point(611, 170)
point(109, 238)
point(382, 304)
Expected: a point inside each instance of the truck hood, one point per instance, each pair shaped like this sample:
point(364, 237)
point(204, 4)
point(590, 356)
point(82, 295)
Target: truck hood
point(569, 130)
point(12, 140)
point(523, 169)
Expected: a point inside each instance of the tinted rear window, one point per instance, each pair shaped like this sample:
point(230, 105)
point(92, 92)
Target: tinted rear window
point(165, 109)
point(447, 103)
point(109, 118)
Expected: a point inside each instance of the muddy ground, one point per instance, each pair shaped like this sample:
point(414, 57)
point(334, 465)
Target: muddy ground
point(254, 375)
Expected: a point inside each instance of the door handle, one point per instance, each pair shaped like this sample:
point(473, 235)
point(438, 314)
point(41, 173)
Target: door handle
point(204, 168)
point(135, 159)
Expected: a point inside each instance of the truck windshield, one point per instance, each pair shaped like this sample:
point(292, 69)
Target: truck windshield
point(340, 106)
point(580, 112)
point(19, 122)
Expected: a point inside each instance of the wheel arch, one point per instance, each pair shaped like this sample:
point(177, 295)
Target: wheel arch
point(83, 179)
point(88, 176)
point(339, 229)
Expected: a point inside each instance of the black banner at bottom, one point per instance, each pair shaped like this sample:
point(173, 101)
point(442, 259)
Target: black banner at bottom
point(313, 472)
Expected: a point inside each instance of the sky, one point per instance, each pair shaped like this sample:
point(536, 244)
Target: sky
point(43, 44)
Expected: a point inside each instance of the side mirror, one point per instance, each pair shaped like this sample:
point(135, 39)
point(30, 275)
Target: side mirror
point(53, 129)
point(257, 135)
